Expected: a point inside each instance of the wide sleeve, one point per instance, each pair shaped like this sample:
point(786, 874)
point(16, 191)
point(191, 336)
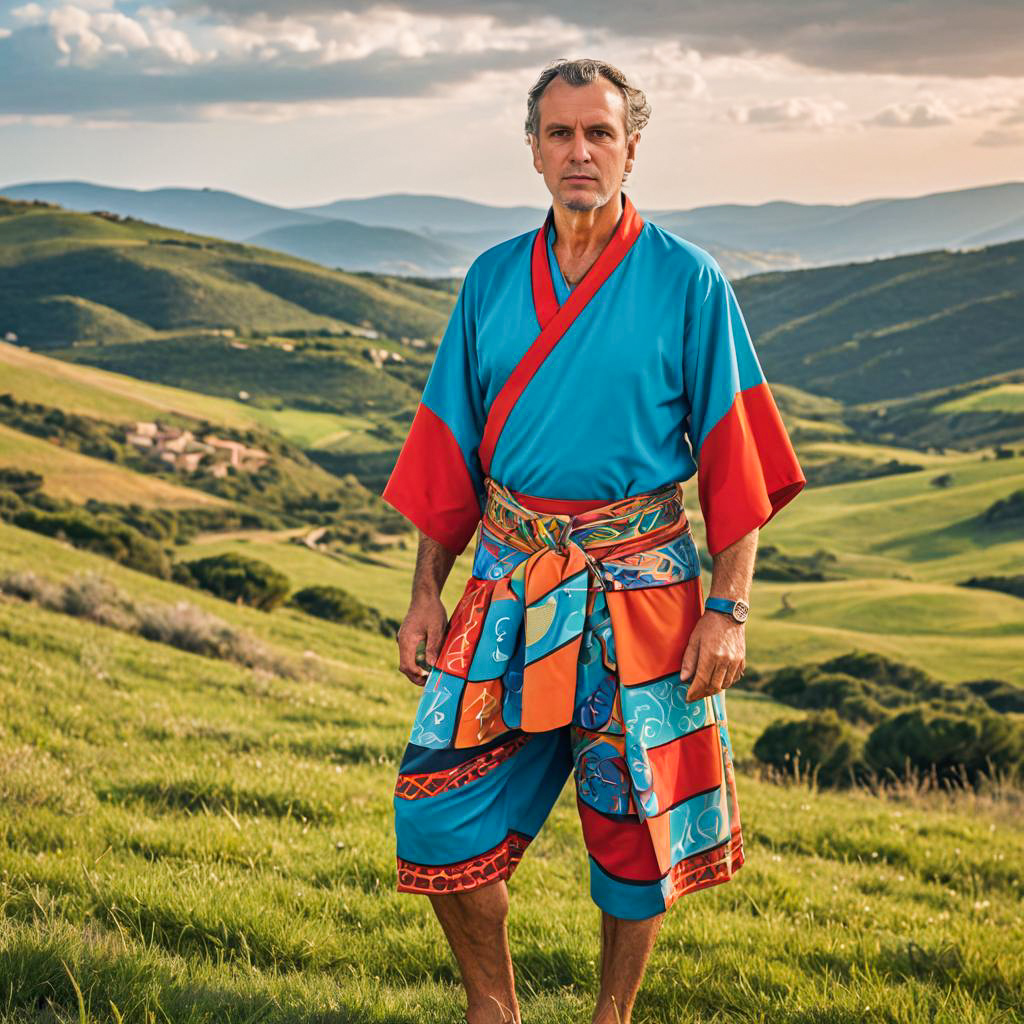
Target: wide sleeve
point(437, 481)
point(746, 466)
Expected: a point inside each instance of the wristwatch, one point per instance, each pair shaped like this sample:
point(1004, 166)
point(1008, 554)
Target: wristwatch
point(738, 610)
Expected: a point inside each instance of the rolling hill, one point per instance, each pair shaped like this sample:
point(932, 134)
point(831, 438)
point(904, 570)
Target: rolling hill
point(188, 838)
point(889, 329)
point(67, 276)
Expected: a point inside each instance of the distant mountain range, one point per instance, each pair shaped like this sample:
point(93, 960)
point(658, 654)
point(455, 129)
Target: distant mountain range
point(422, 235)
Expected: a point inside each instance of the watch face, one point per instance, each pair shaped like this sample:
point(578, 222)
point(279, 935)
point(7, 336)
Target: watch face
point(739, 612)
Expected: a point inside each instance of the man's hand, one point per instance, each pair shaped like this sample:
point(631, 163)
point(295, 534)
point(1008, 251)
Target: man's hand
point(426, 620)
point(717, 649)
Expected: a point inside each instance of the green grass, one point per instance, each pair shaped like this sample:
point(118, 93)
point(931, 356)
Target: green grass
point(200, 842)
point(1002, 398)
point(903, 542)
point(77, 387)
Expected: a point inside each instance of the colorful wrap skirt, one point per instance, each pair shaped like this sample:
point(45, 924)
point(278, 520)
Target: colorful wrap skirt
point(562, 656)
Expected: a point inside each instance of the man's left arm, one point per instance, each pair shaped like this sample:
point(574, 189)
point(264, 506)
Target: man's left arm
point(716, 651)
point(747, 469)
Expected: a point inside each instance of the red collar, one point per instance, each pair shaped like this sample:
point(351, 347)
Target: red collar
point(545, 303)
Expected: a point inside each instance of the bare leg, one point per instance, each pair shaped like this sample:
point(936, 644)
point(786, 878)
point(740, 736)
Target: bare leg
point(625, 948)
point(474, 923)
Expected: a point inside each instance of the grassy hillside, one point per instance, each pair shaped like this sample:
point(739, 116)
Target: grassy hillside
point(65, 276)
point(890, 328)
point(883, 353)
point(75, 387)
point(195, 840)
point(901, 545)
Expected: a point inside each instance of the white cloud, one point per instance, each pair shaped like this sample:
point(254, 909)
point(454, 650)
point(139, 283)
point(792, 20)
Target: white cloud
point(29, 14)
point(792, 112)
point(928, 113)
point(674, 70)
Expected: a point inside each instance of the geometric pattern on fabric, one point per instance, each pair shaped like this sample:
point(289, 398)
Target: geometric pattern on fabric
point(417, 785)
point(471, 873)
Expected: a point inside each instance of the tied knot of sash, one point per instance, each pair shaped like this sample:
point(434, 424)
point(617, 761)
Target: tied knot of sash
point(553, 584)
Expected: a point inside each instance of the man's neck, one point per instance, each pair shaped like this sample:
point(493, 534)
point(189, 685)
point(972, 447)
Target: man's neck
point(579, 232)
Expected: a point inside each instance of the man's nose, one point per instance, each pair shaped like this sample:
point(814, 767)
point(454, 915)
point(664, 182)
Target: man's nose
point(580, 151)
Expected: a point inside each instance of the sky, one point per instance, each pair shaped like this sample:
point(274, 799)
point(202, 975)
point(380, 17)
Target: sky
point(298, 102)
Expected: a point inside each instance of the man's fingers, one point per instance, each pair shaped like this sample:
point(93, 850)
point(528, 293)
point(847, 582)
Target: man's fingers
point(734, 676)
point(704, 665)
point(408, 642)
point(434, 638)
point(689, 658)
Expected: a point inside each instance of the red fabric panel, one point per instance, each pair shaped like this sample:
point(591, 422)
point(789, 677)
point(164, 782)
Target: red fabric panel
point(622, 848)
point(686, 766)
point(545, 302)
point(430, 484)
point(746, 469)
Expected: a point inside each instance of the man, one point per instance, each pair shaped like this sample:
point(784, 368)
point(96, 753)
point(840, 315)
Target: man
point(577, 359)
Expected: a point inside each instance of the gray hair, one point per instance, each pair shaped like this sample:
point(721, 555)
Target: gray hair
point(583, 72)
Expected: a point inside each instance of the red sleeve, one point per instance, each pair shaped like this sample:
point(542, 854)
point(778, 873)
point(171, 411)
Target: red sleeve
point(437, 482)
point(746, 466)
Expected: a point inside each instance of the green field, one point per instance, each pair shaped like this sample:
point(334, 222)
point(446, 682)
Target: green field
point(1003, 398)
point(200, 842)
point(75, 387)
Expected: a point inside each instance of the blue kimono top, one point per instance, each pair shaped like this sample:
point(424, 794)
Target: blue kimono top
point(654, 381)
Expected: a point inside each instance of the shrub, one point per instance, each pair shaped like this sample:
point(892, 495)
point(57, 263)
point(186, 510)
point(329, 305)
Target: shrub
point(103, 535)
point(182, 625)
point(820, 741)
point(338, 605)
point(998, 695)
point(240, 579)
point(945, 740)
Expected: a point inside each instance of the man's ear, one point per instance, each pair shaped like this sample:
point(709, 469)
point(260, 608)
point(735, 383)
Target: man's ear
point(631, 144)
point(531, 141)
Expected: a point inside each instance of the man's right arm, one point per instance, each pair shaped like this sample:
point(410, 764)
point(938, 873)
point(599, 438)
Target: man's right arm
point(426, 620)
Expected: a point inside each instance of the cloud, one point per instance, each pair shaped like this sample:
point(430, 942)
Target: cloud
point(914, 37)
point(915, 114)
point(124, 59)
point(157, 84)
point(158, 66)
point(794, 112)
point(1000, 137)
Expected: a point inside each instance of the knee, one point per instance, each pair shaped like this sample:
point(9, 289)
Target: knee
point(487, 905)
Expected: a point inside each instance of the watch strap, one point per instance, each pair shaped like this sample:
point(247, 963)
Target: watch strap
point(720, 604)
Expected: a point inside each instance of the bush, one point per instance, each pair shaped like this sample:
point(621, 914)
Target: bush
point(819, 741)
point(945, 740)
point(338, 605)
point(240, 579)
point(998, 694)
point(182, 625)
point(103, 535)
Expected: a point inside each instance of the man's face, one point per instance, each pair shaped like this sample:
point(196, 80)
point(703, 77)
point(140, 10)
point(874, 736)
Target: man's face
point(582, 149)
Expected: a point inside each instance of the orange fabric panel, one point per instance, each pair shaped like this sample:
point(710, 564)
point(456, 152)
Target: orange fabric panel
point(652, 626)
